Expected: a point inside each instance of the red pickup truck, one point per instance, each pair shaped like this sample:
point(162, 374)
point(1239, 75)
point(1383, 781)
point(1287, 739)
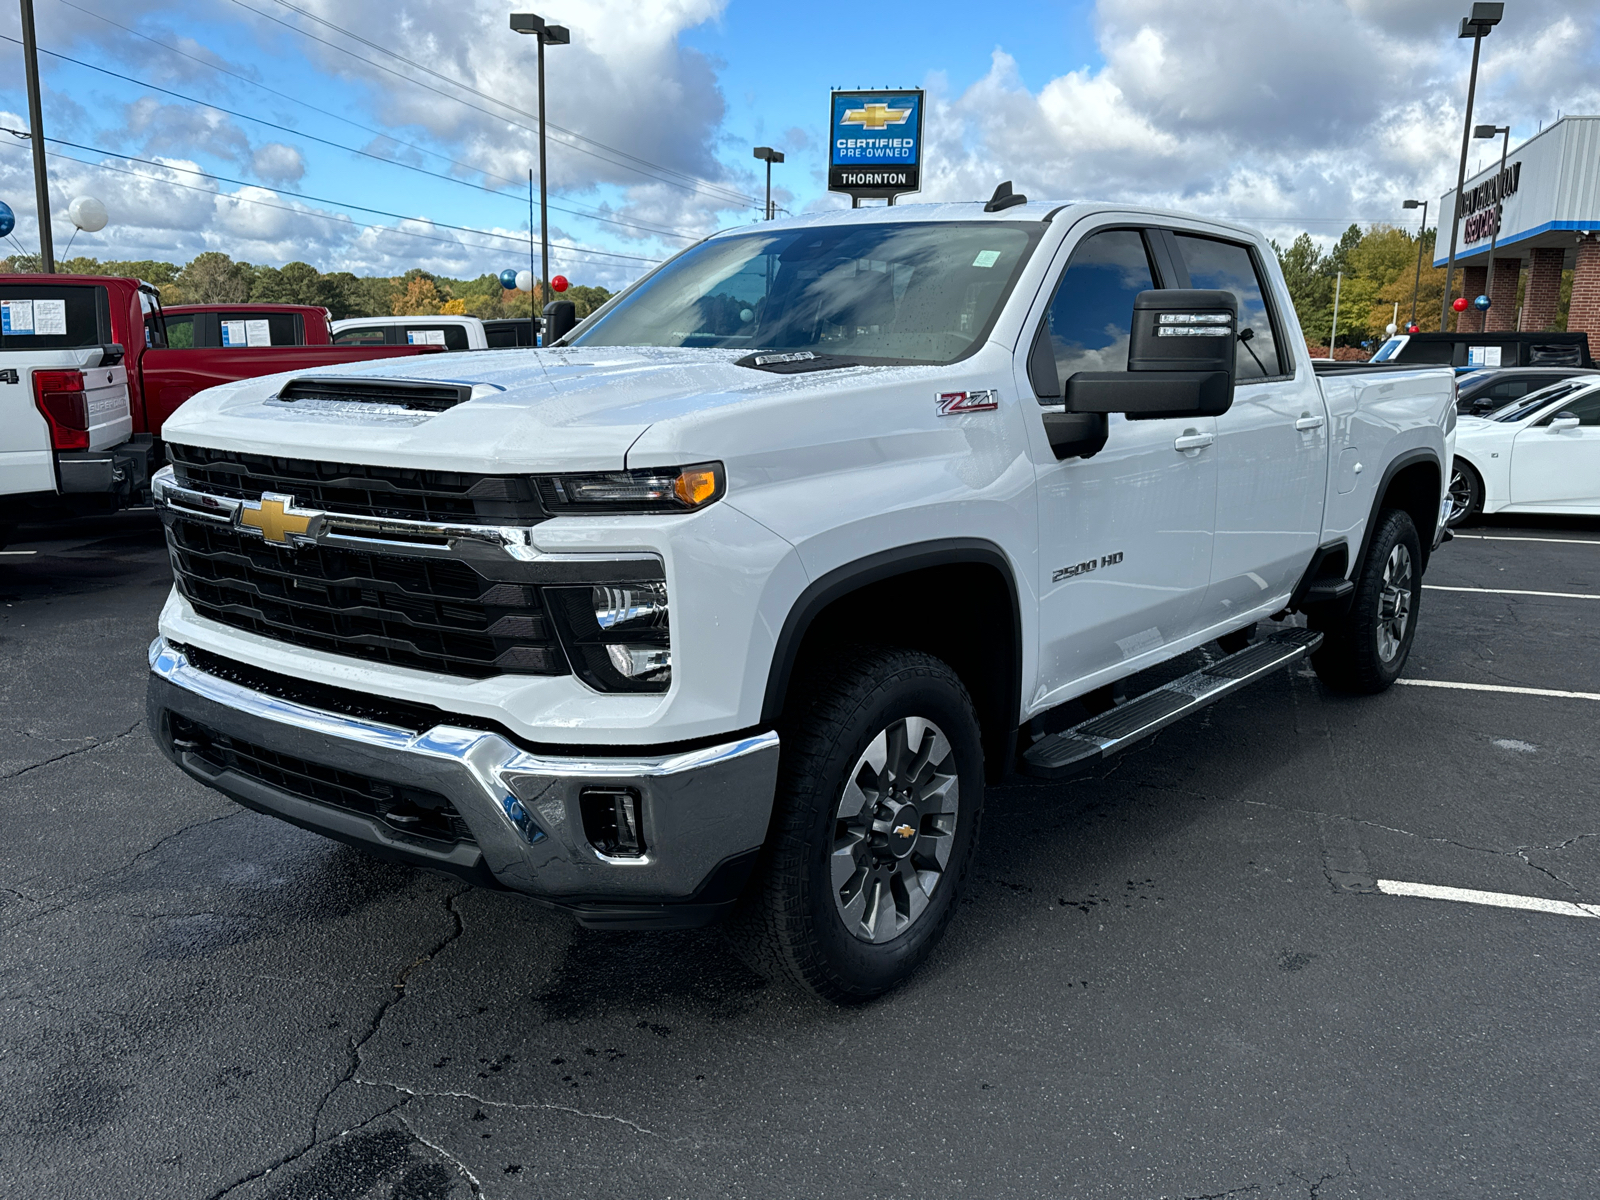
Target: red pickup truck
point(88, 375)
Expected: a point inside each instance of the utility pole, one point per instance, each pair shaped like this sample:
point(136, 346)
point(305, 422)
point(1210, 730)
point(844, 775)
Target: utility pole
point(1484, 18)
point(553, 35)
point(1417, 286)
point(1504, 132)
point(41, 180)
point(1334, 336)
point(769, 156)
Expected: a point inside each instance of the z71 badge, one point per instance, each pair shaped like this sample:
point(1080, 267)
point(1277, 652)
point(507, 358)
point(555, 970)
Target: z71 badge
point(952, 403)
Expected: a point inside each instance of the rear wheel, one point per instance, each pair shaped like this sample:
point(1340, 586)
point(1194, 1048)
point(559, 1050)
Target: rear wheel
point(879, 793)
point(1466, 494)
point(1365, 649)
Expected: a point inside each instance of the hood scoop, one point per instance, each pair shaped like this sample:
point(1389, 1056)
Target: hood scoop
point(409, 394)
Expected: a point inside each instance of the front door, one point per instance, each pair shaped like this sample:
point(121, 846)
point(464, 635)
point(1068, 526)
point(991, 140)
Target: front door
point(1124, 536)
point(1560, 467)
point(1272, 446)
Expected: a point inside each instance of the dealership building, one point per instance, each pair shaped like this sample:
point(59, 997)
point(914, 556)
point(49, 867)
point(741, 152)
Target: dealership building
point(1549, 204)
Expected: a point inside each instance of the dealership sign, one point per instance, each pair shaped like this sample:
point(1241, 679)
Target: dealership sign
point(1481, 205)
point(875, 143)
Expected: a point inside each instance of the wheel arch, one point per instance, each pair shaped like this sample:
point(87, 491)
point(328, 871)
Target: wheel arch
point(956, 598)
point(1414, 483)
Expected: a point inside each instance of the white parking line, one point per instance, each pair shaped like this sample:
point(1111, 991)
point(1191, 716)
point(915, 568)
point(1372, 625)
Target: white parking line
point(1499, 687)
point(18, 553)
point(1437, 587)
point(1478, 537)
point(1430, 891)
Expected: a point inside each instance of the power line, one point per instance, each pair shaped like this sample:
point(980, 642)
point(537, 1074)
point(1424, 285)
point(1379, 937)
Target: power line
point(695, 186)
point(299, 212)
point(150, 162)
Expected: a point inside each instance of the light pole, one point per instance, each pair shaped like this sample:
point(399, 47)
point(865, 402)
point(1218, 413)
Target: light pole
point(1503, 132)
point(769, 156)
point(1417, 286)
point(1484, 18)
point(548, 35)
point(41, 181)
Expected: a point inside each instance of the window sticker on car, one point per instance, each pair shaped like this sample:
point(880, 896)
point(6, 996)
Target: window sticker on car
point(16, 316)
point(233, 333)
point(1483, 356)
point(425, 337)
point(953, 403)
point(986, 258)
point(258, 333)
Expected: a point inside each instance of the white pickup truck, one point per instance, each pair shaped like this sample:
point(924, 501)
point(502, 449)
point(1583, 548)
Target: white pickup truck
point(730, 603)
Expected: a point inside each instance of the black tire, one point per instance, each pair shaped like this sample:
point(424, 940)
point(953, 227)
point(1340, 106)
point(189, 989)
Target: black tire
point(1364, 650)
point(6, 534)
point(792, 922)
point(1232, 643)
point(1466, 494)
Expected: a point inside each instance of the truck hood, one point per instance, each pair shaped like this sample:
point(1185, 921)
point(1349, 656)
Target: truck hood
point(571, 409)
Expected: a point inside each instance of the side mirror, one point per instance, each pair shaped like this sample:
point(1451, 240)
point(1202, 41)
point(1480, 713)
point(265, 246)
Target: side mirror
point(1563, 420)
point(1180, 360)
point(560, 316)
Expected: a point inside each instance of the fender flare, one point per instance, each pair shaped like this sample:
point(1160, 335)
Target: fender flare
point(1408, 459)
point(874, 568)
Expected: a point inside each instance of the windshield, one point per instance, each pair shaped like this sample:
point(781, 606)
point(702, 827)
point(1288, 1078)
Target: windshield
point(904, 293)
point(1534, 401)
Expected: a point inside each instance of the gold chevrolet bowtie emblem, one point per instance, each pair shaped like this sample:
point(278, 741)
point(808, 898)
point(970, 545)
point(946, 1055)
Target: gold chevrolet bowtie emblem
point(875, 116)
point(904, 831)
point(274, 520)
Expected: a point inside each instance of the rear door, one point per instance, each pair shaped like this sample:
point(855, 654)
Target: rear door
point(1272, 445)
point(1124, 536)
point(1560, 468)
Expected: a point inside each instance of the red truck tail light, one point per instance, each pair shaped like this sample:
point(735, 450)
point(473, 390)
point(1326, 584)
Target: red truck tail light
point(60, 398)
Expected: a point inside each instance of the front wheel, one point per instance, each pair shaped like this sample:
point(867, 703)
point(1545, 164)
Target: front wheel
point(1365, 649)
point(1466, 494)
point(879, 793)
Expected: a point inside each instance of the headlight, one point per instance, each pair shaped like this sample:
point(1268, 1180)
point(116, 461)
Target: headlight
point(617, 635)
point(653, 490)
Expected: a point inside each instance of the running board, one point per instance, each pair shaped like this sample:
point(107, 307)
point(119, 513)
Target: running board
point(1100, 737)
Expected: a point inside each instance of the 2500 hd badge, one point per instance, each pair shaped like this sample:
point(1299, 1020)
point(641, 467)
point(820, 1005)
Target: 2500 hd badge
point(1083, 568)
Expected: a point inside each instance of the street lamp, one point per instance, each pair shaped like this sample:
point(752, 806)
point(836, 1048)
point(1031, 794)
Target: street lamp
point(1417, 286)
point(548, 35)
point(769, 156)
point(1484, 18)
point(1487, 132)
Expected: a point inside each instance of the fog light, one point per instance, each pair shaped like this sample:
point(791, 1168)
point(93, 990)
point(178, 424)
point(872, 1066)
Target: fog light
point(613, 821)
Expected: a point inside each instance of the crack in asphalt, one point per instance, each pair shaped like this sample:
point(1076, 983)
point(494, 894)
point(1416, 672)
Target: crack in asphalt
point(531, 1107)
point(472, 1180)
point(1316, 1188)
point(399, 987)
point(1238, 1191)
point(93, 745)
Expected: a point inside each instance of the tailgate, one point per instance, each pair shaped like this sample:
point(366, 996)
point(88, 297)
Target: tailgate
point(27, 459)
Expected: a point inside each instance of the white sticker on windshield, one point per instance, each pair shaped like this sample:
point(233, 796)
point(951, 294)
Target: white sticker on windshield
point(986, 258)
point(16, 316)
point(50, 318)
point(257, 333)
point(1483, 356)
point(233, 333)
point(425, 337)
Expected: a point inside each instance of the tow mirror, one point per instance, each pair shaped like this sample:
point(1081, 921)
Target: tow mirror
point(560, 316)
point(1564, 420)
point(1180, 360)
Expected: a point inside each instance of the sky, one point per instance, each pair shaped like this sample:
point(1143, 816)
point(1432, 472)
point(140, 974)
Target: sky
point(379, 135)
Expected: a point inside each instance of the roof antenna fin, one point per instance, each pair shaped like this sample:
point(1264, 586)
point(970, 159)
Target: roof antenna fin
point(1004, 198)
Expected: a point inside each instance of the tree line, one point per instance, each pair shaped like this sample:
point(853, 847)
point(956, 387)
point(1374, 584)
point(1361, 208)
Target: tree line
point(214, 278)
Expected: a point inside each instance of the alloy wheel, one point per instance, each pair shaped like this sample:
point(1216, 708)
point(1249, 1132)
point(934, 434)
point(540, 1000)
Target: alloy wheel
point(1460, 496)
point(1394, 603)
point(894, 829)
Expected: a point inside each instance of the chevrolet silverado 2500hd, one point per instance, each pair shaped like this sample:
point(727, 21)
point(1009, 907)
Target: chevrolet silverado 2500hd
point(729, 603)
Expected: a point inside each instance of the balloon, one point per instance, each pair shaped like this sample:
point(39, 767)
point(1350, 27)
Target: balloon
point(88, 214)
point(8, 219)
point(1459, 304)
point(1390, 328)
point(559, 282)
point(524, 281)
point(1413, 328)
point(1481, 304)
point(508, 278)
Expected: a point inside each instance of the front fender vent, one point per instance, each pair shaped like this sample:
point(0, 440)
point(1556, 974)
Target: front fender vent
point(400, 393)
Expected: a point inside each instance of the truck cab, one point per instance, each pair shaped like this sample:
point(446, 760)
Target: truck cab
point(237, 326)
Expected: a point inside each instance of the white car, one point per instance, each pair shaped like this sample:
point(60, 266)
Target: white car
point(453, 333)
point(1540, 454)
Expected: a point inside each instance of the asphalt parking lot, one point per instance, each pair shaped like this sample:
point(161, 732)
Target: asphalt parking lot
point(1180, 977)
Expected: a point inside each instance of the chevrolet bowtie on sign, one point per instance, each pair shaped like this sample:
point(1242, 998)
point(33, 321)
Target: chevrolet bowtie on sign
point(277, 520)
point(876, 143)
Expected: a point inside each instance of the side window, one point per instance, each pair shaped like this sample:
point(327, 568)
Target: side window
point(1230, 267)
point(1509, 390)
point(1585, 408)
point(254, 329)
point(1091, 315)
point(370, 335)
point(180, 332)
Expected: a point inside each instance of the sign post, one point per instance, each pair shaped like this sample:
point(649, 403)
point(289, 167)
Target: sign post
point(875, 144)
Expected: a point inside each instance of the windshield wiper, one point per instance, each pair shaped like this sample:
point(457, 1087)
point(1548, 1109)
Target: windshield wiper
point(795, 362)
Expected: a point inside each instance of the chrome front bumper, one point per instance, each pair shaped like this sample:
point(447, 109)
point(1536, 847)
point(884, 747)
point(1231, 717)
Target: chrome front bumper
point(704, 812)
